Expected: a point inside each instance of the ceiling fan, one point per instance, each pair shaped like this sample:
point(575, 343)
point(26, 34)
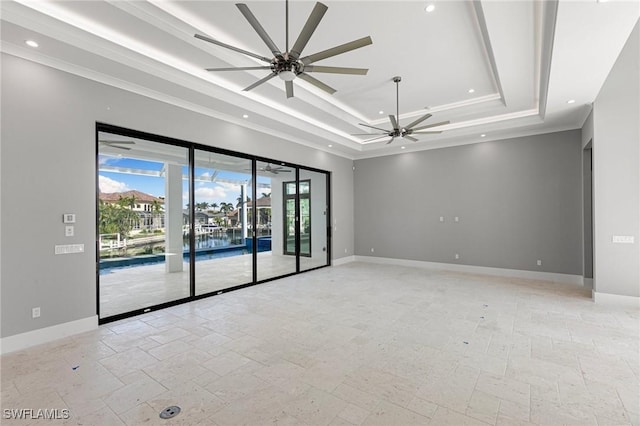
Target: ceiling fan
point(116, 144)
point(274, 170)
point(398, 131)
point(289, 64)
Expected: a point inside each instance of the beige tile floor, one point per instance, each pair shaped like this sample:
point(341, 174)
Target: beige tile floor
point(127, 289)
point(349, 345)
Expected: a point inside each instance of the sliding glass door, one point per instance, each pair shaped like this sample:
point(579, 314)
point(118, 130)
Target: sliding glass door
point(275, 255)
point(222, 231)
point(178, 221)
point(142, 223)
point(314, 215)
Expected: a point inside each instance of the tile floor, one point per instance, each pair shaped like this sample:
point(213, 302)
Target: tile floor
point(127, 289)
point(349, 345)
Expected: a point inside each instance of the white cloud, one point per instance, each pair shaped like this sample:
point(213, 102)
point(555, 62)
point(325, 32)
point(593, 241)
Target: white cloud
point(108, 185)
point(232, 187)
point(106, 159)
point(210, 193)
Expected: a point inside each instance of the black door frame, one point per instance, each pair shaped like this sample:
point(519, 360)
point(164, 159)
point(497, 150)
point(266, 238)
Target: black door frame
point(192, 146)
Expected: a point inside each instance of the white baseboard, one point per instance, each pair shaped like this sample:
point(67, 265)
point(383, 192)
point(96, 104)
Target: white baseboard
point(43, 335)
point(471, 269)
point(343, 260)
point(615, 299)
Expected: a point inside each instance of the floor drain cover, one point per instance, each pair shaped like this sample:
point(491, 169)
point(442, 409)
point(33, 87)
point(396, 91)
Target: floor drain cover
point(170, 412)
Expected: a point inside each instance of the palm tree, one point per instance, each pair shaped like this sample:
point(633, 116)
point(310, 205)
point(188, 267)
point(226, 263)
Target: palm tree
point(239, 201)
point(156, 208)
point(213, 206)
point(116, 219)
point(129, 202)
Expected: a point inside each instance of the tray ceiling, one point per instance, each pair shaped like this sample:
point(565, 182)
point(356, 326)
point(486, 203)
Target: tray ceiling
point(524, 61)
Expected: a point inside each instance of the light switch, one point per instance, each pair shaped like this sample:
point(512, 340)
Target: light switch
point(441, 218)
point(69, 249)
point(623, 239)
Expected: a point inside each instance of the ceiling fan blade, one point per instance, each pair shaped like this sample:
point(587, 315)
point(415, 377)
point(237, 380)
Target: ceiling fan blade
point(343, 48)
point(288, 85)
point(392, 138)
point(418, 121)
point(394, 122)
point(317, 83)
point(369, 134)
point(244, 9)
point(307, 31)
point(118, 146)
point(118, 142)
point(238, 68)
point(219, 43)
point(259, 82)
point(375, 139)
point(431, 125)
point(412, 139)
point(336, 70)
point(427, 132)
point(377, 128)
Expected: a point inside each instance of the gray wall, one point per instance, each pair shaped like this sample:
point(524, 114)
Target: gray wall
point(48, 168)
point(518, 200)
point(616, 172)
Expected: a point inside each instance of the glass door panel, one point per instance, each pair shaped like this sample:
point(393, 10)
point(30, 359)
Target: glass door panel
point(275, 220)
point(289, 226)
point(314, 220)
point(141, 223)
point(223, 208)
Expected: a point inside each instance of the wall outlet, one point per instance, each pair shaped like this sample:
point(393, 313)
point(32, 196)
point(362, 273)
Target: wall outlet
point(372, 250)
point(35, 312)
point(441, 218)
point(456, 219)
point(457, 256)
point(539, 262)
point(68, 231)
point(345, 250)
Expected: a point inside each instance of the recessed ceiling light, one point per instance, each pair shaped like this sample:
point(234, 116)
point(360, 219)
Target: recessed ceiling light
point(31, 43)
point(381, 112)
point(245, 116)
point(571, 101)
point(471, 90)
point(430, 8)
point(330, 146)
point(403, 147)
point(482, 135)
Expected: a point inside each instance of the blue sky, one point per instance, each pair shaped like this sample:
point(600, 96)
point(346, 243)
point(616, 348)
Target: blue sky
point(211, 192)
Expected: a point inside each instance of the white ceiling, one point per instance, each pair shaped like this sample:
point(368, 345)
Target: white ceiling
point(524, 59)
